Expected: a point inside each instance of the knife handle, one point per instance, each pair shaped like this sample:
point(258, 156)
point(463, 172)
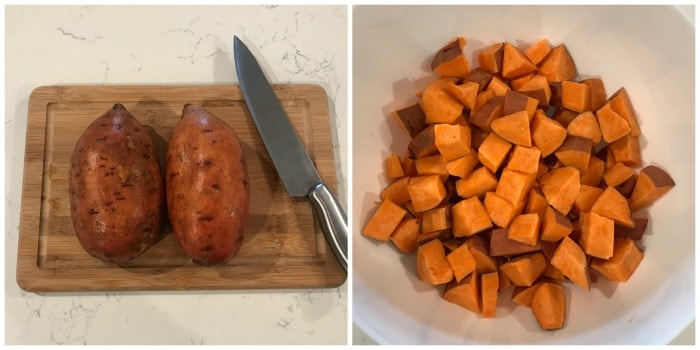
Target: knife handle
point(334, 221)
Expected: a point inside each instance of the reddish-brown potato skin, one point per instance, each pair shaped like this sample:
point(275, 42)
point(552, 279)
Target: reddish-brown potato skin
point(207, 187)
point(116, 188)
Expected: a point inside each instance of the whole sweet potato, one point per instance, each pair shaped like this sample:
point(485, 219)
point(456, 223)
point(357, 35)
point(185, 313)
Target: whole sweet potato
point(207, 187)
point(116, 188)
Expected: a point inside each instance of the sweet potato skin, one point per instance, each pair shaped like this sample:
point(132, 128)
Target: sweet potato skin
point(116, 188)
point(207, 187)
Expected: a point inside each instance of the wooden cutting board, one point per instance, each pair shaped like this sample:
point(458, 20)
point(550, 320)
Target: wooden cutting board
point(283, 247)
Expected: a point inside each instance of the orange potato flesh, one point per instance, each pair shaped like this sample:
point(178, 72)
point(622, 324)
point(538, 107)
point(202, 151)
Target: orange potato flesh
point(450, 60)
point(558, 65)
point(621, 104)
point(515, 63)
point(612, 126)
point(624, 261)
point(452, 141)
point(547, 134)
point(538, 51)
point(524, 270)
point(384, 221)
point(436, 219)
point(491, 58)
point(571, 261)
point(493, 152)
point(524, 159)
point(555, 226)
point(477, 183)
point(514, 128)
point(393, 167)
point(397, 191)
point(489, 294)
point(575, 96)
point(585, 125)
point(525, 228)
point(432, 263)
point(461, 167)
point(439, 106)
point(465, 293)
point(405, 236)
point(426, 192)
point(613, 205)
point(597, 235)
point(514, 185)
point(652, 183)
point(549, 306)
point(462, 262)
point(561, 187)
point(469, 217)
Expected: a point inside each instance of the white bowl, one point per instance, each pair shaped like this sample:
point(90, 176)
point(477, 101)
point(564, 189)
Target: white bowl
point(648, 50)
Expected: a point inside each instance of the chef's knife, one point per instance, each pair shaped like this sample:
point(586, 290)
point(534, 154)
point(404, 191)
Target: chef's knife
point(293, 164)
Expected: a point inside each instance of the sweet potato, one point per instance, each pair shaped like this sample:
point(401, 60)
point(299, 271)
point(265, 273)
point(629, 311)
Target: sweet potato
point(514, 128)
point(636, 233)
point(587, 196)
point(570, 259)
point(538, 51)
point(525, 228)
point(536, 202)
point(515, 63)
point(652, 183)
point(439, 106)
point(408, 164)
point(465, 93)
point(547, 134)
point(432, 165)
point(436, 219)
point(523, 295)
point(440, 235)
point(555, 226)
point(393, 167)
point(423, 144)
point(489, 294)
point(491, 58)
point(411, 118)
point(490, 111)
point(116, 188)
point(477, 183)
point(514, 185)
point(493, 152)
point(597, 234)
point(612, 126)
point(517, 83)
point(597, 92)
point(622, 177)
point(452, 141)
point(560, 187)
point(621, 104)
point(564, 116)
point(426, 192)
point(524, 270)
point(558, 65)
point(549, 306)
point(485, 263)
point(461, 167)
point(384, 221)
point(585, 125)
point(465, 293)
point(594, 173)
point(498, 87)
point(462, 262)
point(575, 96)
point(538, 88)
point(524, 159)
point(501, 211)
point(450, 60)
point(397, 191)
point(613, 205)
point(481, 77)
point(626, 151)
point(206, 187)
point(625, 259)
point(432, 264)
point(405, 236)
point(501, 245)
point(575, 152)
point(469, 217)
point(515, 102)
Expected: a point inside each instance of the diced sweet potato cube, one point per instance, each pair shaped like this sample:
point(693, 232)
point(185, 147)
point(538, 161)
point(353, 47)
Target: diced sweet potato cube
point(493, 152)
point(624, 261)
point(432, 264)
point(524, 270)
point(597, 94)
point(393, 167)
point(555, 226)
point(547, 134)
point(621, 177)
point(524, 159)
point(491, 58)
point(500, 210)
point(553, 273)
point(549, 306)
point(501, 245)
point(452, 141)
point(594, 173)
point(461, 167)
point(409, 206)
point(555, 100)
point(536, 203)
point(465, 293)
point(516, 102)
point(519, 82)
point(432, 165)
point(575, 152)
point(586, 198)
point(597, 233)
point(652, 183)
point(626, 150)
point(538, 51)
point(408, 164)
point(384, 221)
point(450, 60)
point(514, 128)
point(489, 294)
point(621, 104)
point(477, 183)
point(575, 96)
point(515, 63)
point(561, 187)
point(465, 93)
point(498, 87)
point(480, 77)
point(462, 262)
point(490, 111)
point(423, 144)
point(525, 229)
point(441, 235)
point(452, 244)
point(514, 185)
point(613, 205)
point(538, 88)
point(636, 233)
point(405, 236)
point(469, 217)
point(503, 281)
point(523, 295)
point(564, 117)
point(557, 65)
point(411, 118)
point(484, 262)
point(397, 191)
point(439, 106)
point(585, 125)
point(570, 259)
point(426, 192)
point(612, 126)
point(436, 219)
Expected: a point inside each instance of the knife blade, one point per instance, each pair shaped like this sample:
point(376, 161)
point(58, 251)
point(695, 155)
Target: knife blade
point(293, 164)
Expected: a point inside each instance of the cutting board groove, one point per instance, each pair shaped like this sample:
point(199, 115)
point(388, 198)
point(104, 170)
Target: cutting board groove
point(283, 247)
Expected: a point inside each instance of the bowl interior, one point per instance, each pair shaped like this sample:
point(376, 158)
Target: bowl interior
point(648, 50)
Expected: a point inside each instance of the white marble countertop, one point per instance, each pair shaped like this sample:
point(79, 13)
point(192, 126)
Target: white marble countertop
point(161, 45)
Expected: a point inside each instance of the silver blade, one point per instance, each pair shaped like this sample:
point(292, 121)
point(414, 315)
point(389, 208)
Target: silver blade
point(288, 154)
